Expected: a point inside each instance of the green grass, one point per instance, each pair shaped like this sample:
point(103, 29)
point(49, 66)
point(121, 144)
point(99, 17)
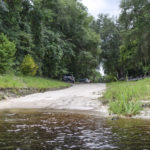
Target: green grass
point(126, 108)
point(10, 81)
point(124, 97)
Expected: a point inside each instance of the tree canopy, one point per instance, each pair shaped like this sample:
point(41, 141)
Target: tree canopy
point(56, 33)
point(63, 38)
point(125, 41)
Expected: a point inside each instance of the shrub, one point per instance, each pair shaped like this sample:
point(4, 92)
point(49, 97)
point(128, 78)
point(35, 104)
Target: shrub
point(95, 76)
point(28, 66)
point(110, 78)
point(7, 52)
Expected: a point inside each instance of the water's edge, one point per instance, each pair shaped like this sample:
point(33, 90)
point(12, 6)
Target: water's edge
point(77, 101)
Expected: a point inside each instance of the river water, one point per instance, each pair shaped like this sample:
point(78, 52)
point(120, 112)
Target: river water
point(52, 130)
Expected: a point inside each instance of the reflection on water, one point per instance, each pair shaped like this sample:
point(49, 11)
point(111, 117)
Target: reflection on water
point(69, 131)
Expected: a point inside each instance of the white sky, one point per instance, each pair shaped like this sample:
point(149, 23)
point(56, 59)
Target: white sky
point(95, 7)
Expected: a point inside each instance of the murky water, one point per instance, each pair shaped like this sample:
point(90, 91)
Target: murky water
point(42, 130)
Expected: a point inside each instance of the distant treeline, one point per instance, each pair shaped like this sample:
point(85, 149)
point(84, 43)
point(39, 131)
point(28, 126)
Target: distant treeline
point(63, 38)
point(126, 40)
point(56, 33)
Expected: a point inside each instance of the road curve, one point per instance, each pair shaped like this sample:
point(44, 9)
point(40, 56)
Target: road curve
point(77, 97)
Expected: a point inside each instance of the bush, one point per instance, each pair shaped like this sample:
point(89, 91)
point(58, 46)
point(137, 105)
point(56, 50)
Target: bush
point(95, 76)
point(110, 78)
point(7, 52)
point(28, 66)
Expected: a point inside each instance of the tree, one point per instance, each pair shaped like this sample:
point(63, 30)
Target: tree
point(57, 33)
point(7, 52)
point(110, 41)
point(28, 66)
point(135, 49)
point(65, 34)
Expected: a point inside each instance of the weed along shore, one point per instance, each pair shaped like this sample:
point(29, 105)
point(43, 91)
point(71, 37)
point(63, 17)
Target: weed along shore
point(128, 98)
point(15, 86)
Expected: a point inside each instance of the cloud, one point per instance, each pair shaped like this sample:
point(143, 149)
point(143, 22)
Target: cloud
point(95, 7)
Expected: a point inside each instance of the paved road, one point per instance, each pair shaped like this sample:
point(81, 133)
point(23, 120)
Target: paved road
point(77, 97)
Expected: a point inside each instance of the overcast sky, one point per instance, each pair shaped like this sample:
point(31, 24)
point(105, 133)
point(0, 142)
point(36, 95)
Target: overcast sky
point(95, 7)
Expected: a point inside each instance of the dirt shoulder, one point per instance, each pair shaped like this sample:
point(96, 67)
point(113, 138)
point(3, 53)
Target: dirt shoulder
point(9, 93)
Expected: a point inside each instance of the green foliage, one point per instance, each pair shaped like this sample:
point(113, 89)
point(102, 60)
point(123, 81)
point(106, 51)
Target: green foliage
point(7, 52)
point(63, 38)
point(110, 41)
point(134, 22)
point(124, 97)
point(123, 107)
point(134, 90)
point(125, 41)
point(95, 76)
point(57, 33)
point(38, 82)
point(28, 66)
point(146, 70)
point(24, 45)
point(110, 78)
point(57, 55)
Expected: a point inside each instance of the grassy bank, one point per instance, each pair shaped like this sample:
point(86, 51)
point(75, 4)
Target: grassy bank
point(15, 86)
point(124, 97)
point(10, 81)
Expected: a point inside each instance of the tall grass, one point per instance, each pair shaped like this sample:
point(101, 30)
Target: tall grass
point(37, 82)
point(10, 81)
point(123, 107)
point(124, 97)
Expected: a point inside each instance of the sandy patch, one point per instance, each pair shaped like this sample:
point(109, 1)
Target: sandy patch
point(77, 97)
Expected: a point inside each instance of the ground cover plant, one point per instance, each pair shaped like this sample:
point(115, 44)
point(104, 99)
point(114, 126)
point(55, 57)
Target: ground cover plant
point(124, 98)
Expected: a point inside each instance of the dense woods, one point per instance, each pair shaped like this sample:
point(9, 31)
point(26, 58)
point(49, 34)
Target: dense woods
point(57, 34)
point(60, 37)
point(125, 41)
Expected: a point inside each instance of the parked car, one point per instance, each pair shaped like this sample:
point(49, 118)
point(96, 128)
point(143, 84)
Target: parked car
point(69, 78)
point(122, 79)
point(135, 79)
point(85, 80)
point(130, 78)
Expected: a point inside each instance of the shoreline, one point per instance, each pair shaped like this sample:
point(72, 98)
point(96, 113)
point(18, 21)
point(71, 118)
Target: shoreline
point(77, 97)
point(49, 99)
point(11, 93)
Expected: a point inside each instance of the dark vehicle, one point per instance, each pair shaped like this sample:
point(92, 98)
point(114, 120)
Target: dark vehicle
point(134, 79)
point(85, 80)
point(69, 78)
point(122, 79)
point(131, 78)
